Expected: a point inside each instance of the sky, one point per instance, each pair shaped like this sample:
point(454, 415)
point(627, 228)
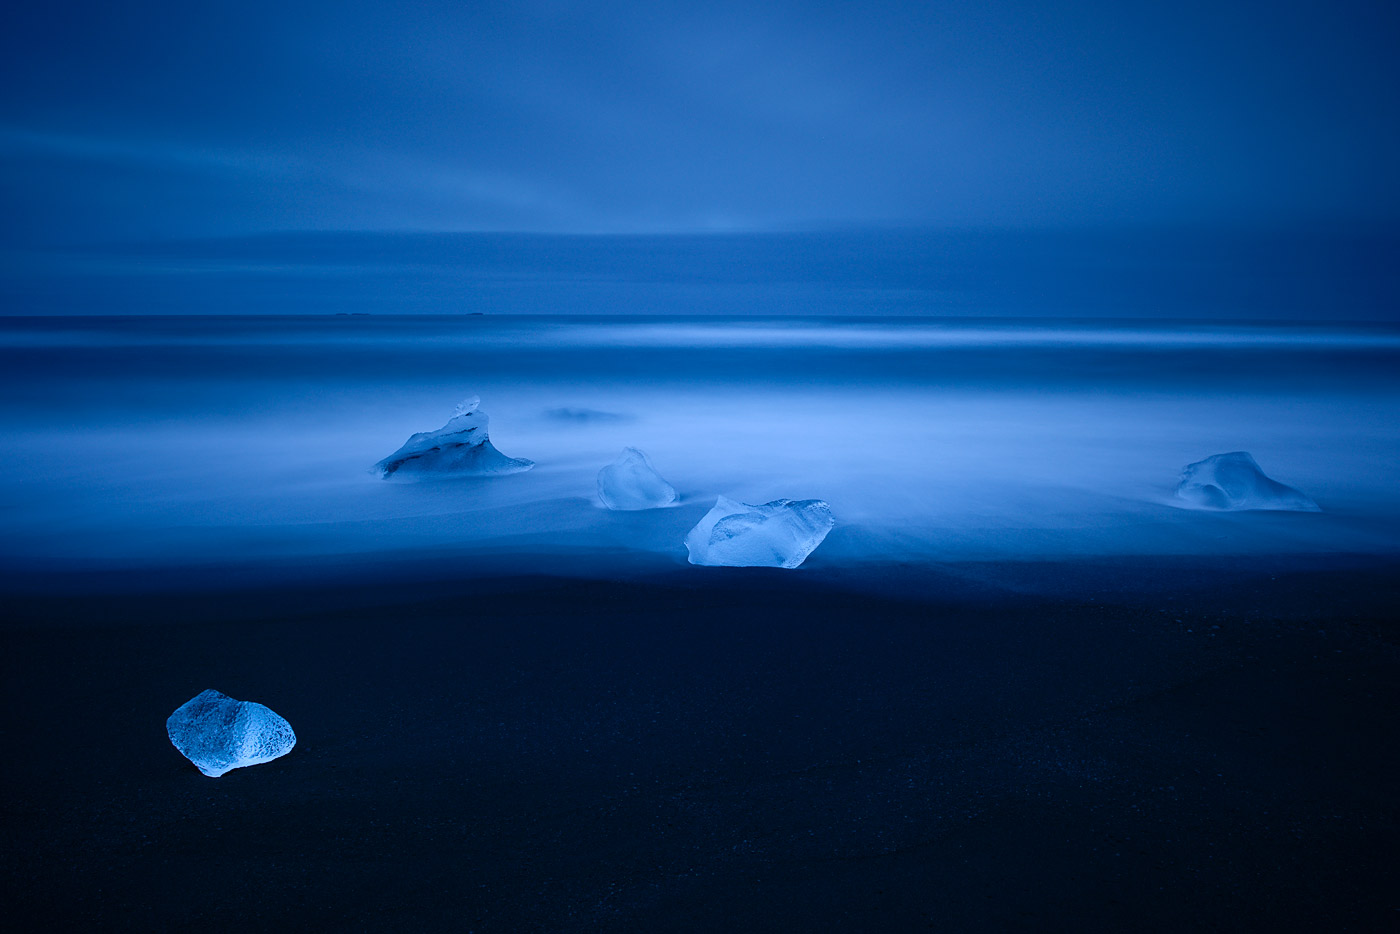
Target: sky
point(169, 120)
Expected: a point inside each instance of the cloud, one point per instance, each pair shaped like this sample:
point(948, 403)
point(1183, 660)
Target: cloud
point(555, 115)
point(350, 186)
point(150, 154)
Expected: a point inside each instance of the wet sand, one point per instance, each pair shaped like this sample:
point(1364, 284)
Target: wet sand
point(1147, 744)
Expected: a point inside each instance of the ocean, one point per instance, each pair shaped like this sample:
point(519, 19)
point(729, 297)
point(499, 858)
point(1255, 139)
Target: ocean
point(144, 441)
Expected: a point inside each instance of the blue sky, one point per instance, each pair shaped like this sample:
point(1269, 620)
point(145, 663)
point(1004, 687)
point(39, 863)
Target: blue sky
point(170, 120)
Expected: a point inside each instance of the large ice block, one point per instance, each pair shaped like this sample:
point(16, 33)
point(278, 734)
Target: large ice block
point(218, 733)
point(780, 534)
point(630, 483)
point(459, 448)
point(1234, 482)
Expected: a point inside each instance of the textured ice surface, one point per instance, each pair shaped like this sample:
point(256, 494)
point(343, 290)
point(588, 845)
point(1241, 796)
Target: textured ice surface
point(780, 534)
point(630, 482)
point(459, 448)
point(1234, 481)
point(218, 733)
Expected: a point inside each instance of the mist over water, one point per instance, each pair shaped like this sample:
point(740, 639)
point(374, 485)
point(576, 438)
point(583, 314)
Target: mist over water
point(135, 442)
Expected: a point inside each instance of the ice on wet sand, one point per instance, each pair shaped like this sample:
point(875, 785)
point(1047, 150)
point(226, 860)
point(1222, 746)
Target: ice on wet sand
point(1234, 481)
point(218, 733)
point(780, 534)
point(630, 483)
point(459, 448)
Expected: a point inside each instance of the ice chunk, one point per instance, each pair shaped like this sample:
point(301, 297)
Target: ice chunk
point(1234, 481)
point(459, 448)
point(585, 416)
point(630, 482)
point(780, 534)
point(218, 733)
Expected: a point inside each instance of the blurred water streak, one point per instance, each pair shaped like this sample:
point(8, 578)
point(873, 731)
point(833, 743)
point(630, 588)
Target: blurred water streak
point(168, 440)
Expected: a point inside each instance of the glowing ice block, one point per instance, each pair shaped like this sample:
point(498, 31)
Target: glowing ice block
point(780, 534)
point(459, 448)
point(1234, 482)
point(630, 483)
point(218, 733)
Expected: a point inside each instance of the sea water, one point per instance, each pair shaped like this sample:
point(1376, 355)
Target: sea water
point(135, 441)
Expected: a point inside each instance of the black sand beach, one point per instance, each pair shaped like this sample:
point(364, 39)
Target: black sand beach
point(1145, 744)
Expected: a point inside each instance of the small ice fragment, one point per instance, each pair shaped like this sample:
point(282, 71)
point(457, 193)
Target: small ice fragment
point(459, 448)
point(780, 534)
point(218, 733)
point(630, 482)
point(585, 416)
point(1234, 482)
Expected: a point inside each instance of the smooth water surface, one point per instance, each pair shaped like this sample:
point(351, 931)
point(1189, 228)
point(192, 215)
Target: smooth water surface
point(159, 440)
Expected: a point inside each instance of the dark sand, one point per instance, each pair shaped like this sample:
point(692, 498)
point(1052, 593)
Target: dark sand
point(1150, 745)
